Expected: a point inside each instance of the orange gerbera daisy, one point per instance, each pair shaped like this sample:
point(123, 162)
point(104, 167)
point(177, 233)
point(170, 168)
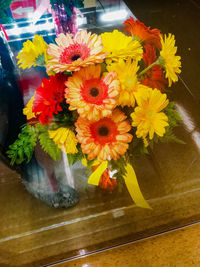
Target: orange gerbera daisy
point(90, 94)
point(72, 53)
point(105, 139)
point(154, 77)
point(145, 34)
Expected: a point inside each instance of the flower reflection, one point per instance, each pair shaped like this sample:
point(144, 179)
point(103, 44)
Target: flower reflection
point(187, 120)
point(189, 125)
point(115, 15)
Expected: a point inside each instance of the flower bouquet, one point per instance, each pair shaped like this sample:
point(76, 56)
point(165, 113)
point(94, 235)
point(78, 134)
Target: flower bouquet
point(104, 101)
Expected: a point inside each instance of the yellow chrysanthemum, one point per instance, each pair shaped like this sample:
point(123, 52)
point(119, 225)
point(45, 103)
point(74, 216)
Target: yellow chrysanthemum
point(65, 139)
point(71, 53)
point(28, 109)
point(127, 75)
point(33, 53)
point(172, 63)
point(148, 117)
point(92, 95)
point(118, 45)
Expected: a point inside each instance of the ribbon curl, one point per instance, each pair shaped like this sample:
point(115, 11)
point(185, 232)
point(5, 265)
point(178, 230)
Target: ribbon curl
point(130, 181)
point(134, 189)
point(96, 175)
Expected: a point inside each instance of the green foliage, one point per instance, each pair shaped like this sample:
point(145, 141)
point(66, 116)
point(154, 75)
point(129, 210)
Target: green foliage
point(119, 165)
point(64, 118)
point(169, 137)
point(136, 148)
point(103, 67)
point(73, 158)
point(48, 144)
point(4, 18)
point(22, 149)
point(174, 117)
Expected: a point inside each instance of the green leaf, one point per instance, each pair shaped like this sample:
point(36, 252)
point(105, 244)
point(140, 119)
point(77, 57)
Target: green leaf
point(174, 117)
point(49, 146)
point(22, 149)
point(119, 165)
point(73, 158)
point(170, 137)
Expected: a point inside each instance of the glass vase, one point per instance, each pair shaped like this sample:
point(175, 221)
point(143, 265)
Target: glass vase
point(50, 181)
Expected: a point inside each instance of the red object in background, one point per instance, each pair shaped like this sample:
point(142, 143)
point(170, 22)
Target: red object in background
point(21, 9)
point(28, 83)
point(4, 31)
point(105, 181)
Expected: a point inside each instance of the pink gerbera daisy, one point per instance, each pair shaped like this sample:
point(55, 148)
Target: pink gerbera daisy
point(69, 54)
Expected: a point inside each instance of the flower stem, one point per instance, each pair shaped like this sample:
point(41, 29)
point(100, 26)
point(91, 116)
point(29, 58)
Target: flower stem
point(148, 68)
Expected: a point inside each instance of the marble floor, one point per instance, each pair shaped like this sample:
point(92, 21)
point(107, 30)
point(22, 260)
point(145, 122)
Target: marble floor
point(178, 248)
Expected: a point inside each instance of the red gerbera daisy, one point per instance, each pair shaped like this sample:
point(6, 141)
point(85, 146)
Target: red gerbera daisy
point(145, 34)
point(154, 77)
point(48, 97)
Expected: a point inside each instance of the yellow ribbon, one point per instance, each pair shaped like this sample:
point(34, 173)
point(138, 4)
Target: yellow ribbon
point(96, 175)
point(134, 189)
point(84, 162)
point(130, 180)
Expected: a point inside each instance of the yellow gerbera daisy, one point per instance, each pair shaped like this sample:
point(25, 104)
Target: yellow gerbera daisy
point(28, 109)
point(127, 75)
point(118, 45)
point(105, 139)
point(70, 54)
point(65, 139)
point(147, 116)
point(33, 53)
point(90, 94)
point(172, 63)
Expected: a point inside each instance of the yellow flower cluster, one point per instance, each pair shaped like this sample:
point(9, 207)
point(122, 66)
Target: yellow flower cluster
point(172, 63)
point(28, 109)
point(118, 45)
point(33, 53)
point(147, 116)
point(65, 139)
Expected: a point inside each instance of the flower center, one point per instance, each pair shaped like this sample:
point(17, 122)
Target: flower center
point(40, 60)
point(94, 91)
point(103, 131)
point(73, 52)
point(46, 102)
point(75, 57)
point(130, 82)
point(150, 114)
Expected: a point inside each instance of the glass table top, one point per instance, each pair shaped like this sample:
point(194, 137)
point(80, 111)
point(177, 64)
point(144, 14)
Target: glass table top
point(31, 233)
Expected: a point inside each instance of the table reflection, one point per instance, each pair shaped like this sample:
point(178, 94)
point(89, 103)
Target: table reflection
point(169, 177)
